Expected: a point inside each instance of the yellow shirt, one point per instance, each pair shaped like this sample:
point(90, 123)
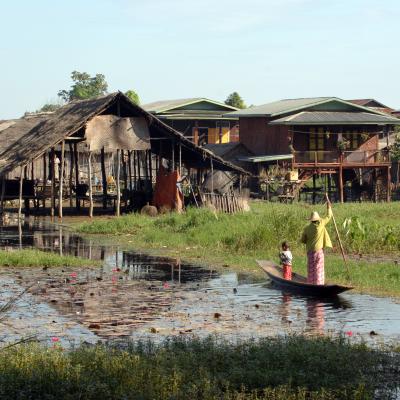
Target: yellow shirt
point(315, 236)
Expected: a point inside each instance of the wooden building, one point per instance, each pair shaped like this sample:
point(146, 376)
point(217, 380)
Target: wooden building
point(104, 151)
point(323, 136)
point(200, 119)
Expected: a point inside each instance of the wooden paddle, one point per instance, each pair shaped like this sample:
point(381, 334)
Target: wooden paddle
point(338, 236)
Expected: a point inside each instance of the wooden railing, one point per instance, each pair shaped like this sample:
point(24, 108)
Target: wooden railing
point(348, 157)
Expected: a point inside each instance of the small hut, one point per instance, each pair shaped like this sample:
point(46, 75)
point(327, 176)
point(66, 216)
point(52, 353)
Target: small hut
point(104, 151)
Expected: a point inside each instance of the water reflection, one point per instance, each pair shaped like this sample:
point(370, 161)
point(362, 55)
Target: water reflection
point(131, 291)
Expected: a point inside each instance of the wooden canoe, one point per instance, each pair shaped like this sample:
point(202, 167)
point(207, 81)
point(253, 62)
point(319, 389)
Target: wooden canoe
point(299, 283)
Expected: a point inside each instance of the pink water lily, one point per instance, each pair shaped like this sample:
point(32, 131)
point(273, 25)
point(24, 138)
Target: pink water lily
point(55, 339)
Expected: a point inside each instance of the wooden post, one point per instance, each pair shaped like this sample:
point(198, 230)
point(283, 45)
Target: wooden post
point(103, 178)
point(341, 194)
point(76, 160)
point(130, 168)
point(90, 185)
point(212, 175)
point(118, 210)
point(71, 172)
point(45, 176)
point(151, 168)
point(53, 182)
point(173, 155)
point(388, 194)
point(3, 189)
point(61, 182)
point(21, 181)
point(180, 159)
point(314, 185)
point(134, 169)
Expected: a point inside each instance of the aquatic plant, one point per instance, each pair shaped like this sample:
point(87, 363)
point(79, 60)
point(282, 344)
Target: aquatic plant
point(291, 367)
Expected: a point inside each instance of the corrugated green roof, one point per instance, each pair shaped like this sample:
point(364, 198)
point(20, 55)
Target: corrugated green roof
point(167, 105)
point(335, 118)
point(292, 105)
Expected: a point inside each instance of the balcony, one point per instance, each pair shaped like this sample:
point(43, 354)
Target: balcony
point(333, 158)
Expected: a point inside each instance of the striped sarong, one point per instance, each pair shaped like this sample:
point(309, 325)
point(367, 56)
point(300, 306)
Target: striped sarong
point(315, 267)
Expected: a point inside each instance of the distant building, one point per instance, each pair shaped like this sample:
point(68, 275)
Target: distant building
point(373, 104)
point(319, 137)
point(201, 119)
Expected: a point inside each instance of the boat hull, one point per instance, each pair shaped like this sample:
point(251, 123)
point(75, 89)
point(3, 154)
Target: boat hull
point(298, 283)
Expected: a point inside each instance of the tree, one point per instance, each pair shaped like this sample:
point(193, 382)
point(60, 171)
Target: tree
point(235, 100)
point(49, 107)
point(84, 87)
point(133, 96)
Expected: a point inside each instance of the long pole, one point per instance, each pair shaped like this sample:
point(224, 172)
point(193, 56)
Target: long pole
point(338, 236)
point(21, 182)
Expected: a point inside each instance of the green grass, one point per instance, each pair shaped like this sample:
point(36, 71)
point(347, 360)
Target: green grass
point(237, 240)
point(37, 258)
point(278, 368)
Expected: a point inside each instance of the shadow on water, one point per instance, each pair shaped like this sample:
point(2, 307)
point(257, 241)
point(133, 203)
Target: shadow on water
point(134, 294)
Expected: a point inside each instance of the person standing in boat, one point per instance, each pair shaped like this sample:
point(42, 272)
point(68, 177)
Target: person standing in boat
point(316, 238)
point(286, 261)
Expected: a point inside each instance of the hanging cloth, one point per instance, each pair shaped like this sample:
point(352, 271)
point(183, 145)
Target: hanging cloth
point(167, 193)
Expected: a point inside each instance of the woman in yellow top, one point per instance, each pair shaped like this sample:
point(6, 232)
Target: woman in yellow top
point(316, 238)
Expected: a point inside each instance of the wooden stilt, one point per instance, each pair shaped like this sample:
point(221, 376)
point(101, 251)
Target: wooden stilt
point(61, 181)
point(173, 155)
point(76, 161)
point(103, 177)
point(151, 168)
point(341, 194)
point(388, 181)
point(125, 174)
point(3, 190)
point(134, 169)
point(53, 181)
point(130, 169)
point(212, 175)
point(90, 185)
point(314, 188)
point(138, 156)
point(71, 172)
point(180, 159)
point(118, 210)
point(45, 176)
point(21, 182)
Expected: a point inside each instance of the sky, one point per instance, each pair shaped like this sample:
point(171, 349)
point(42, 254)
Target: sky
point(266, 50)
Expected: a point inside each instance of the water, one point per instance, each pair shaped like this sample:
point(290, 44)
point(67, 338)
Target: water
point(139, 296)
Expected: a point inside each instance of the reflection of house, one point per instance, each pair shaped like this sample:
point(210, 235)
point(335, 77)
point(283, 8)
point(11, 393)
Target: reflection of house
point(201, 119)
point(320, 136)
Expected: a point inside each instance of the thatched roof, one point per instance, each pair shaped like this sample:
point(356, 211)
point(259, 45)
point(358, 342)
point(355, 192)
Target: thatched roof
point(23, 143)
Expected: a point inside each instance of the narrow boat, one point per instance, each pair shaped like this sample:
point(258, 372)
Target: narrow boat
point(298, 283)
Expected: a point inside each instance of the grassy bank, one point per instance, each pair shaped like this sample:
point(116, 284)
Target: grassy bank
point(37, 258)
point(275, 368)
point(237, 240)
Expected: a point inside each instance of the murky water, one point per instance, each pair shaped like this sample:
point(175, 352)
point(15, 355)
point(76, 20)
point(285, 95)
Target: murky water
point(139, 296)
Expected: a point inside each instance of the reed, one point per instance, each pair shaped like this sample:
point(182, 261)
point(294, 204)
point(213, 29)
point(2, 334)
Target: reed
point(38, 258)
point(292, 367)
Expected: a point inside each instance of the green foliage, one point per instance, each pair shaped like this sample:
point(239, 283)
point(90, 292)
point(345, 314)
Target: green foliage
point(133, 96)
point(37, 258)
point(235, 100)
point(49, 107)
point(84, 87)
point(279, 368)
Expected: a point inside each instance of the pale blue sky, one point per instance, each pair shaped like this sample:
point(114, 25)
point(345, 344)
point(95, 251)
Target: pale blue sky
point(164, 49)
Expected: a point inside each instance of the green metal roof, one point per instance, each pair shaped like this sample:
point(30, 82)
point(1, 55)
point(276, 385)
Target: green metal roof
point(258, 159)
point(168, 105)
point(292, 105)
point(336, 118)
